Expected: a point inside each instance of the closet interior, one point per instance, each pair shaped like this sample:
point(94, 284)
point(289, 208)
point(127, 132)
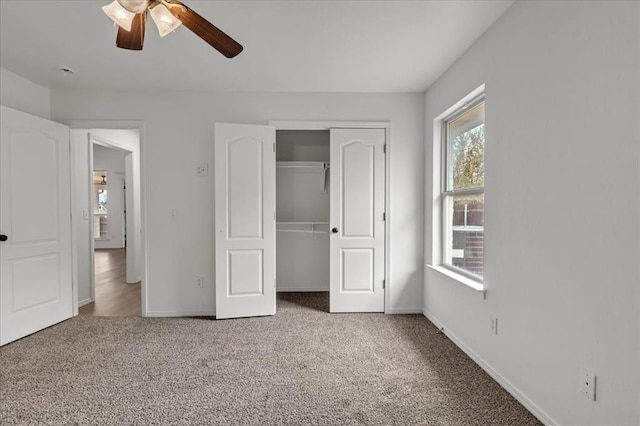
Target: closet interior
point(302, 210)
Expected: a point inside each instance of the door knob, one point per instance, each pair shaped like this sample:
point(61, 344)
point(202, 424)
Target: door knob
point(334, 230)
point(3, 238)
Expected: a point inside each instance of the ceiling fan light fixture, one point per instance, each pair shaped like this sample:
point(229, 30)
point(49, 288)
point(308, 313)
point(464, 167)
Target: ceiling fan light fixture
point(118, 14)
point(164, 19)
point(135, 6)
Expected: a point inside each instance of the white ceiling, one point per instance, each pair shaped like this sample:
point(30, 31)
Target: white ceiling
point(301, 46)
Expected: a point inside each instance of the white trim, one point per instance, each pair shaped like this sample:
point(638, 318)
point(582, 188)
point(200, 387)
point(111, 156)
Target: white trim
point(386, 125)
point(72, 219)
point(475, 93)
point(179, 314)
point(495, 375)
point(326, 125)
point(387, 220)
point(109, 143)
point(404, 311)
point(473, 284)
point(323, 289)
point(85, 302)
point(92, 241)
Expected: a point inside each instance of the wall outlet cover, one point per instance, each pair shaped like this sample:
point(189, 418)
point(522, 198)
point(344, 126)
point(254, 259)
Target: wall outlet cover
point(588, 384)
point(200, 282)
point(202, 170)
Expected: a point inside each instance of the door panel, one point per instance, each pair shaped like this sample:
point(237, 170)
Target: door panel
point(245, 273)
point(28, 198)
point(358, 270)
point(32, 290)
point(35, 281)
point(244, 188)
point(357, 185)
point(357, 207)
point(245, 225)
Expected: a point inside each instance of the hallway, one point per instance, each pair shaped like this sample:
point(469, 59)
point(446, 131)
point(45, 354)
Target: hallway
point(114, 297)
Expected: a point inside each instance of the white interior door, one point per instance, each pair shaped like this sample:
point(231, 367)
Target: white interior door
point(35, 216)
point(356, 220)
point(245, 220)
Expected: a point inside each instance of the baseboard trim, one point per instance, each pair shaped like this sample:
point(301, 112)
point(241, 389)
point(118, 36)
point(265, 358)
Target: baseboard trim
point(404, 311)
point(300, 289)
point(179, 314)
point(85, 302)
point(502, 381)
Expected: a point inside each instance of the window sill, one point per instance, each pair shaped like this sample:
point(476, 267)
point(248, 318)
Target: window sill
point(475, 285)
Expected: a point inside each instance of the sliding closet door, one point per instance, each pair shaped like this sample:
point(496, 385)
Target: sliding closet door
point(245, 225)
point(357, 220)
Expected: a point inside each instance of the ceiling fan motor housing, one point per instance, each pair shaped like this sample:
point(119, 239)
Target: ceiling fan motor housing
point(134, 6)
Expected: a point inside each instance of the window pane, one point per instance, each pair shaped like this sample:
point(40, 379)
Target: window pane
point(465, 150)
point(100, 199)
point(464, 232)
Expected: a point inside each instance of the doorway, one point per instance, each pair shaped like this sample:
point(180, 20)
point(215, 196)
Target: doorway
point(108, 237)
point(302, 217)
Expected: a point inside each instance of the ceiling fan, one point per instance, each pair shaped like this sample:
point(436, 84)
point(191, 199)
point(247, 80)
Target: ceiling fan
point(131, 18)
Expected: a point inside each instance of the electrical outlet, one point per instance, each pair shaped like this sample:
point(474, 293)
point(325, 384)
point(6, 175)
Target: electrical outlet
point(494, 324)
point(202, 170)
point(588, 384)
point(85, 214)
point(200, 282)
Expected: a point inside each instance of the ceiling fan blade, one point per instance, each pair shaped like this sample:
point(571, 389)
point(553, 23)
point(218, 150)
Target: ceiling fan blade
point(134, 39)
point(204, 29)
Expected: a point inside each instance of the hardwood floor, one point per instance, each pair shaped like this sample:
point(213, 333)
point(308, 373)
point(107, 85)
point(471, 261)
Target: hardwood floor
point(114, 297)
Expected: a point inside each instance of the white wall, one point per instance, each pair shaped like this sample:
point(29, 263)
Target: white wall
point(24, 95)
point(112, 161)
point(178, 135)
point(562, 245)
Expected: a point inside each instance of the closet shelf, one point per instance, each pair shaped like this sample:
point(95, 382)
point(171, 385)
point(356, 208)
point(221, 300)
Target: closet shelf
point(323, 165)
point(304, 227)
point(302, 223)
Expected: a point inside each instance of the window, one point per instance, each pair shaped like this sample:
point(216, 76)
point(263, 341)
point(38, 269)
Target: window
point(100, 204)
point(463, 190)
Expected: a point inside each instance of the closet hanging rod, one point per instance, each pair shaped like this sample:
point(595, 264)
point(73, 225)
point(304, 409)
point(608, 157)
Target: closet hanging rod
point(303, 231)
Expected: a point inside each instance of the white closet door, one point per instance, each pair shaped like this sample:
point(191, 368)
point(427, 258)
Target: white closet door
point(35, 221)
point(357, 224)
point(245, 222)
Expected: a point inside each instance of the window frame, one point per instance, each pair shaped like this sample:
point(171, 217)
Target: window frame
point(446, 194)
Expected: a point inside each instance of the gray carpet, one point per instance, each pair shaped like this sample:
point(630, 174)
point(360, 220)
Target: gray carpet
point(301, 367)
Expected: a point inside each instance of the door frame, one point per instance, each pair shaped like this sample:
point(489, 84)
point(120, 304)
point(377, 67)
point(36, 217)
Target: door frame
point(386, 125)
point(88, 125)
point(113, 145)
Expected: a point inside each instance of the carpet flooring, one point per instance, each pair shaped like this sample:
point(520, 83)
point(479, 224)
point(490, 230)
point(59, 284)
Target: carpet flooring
point(300, 367)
